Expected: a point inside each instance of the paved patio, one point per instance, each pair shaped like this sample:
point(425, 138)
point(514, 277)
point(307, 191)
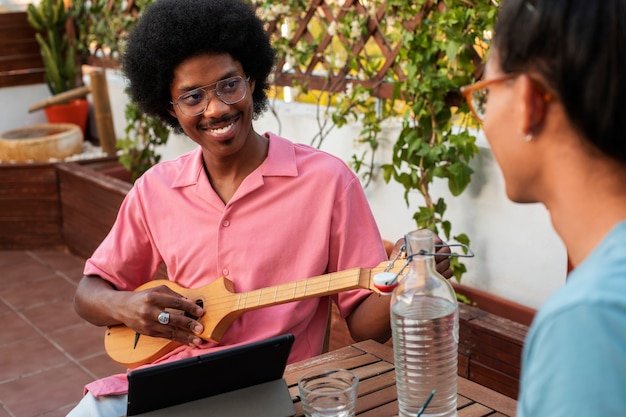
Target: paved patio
point(47, 352)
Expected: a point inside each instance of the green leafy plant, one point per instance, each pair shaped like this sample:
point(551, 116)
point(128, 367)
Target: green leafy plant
point(443, 53)
point(102, 26)
point(139, 146)
point(50, 18)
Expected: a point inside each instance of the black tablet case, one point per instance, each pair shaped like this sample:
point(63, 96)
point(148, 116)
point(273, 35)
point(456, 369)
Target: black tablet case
point(207, 375)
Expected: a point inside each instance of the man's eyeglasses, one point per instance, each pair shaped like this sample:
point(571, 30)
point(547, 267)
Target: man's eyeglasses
point(477, 94)
point(230, 91)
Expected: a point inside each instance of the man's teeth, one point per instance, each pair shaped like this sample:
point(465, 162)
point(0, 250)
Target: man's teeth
point(222, 129)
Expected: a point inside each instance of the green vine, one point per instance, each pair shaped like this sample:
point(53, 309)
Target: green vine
point(439, 56)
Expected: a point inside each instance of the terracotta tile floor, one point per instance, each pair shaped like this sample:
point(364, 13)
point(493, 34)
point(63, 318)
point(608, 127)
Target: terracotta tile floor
point(47, 352)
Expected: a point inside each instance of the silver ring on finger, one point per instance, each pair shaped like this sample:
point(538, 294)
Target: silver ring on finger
point(164, 317)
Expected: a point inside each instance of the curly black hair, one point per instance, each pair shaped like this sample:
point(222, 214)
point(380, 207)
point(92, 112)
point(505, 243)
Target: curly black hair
point(171, 31)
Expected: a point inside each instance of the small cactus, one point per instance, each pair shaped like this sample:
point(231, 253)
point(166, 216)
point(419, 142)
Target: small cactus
point(49, 19)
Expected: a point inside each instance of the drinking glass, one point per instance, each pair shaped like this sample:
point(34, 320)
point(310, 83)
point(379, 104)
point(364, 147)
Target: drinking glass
point(328, 392)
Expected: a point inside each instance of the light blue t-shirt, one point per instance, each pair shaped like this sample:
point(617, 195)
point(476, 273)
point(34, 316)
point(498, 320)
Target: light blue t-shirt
point(574, 361)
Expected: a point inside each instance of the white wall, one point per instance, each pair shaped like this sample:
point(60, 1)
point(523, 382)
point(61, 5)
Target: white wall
point(14, 104)
point(15, 5)
point(518, 254)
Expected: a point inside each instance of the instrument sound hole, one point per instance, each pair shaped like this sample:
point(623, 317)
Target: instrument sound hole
point(198, 303)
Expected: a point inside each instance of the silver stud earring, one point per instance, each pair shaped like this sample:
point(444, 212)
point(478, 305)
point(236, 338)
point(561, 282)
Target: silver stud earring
point(526, 137)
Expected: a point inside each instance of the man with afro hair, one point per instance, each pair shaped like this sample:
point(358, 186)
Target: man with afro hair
point(254, 208)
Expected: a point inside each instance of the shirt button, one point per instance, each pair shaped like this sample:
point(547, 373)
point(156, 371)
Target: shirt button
point(225, 223)
point(225, 272)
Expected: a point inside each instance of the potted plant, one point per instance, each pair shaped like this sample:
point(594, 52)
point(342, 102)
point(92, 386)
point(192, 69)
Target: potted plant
point(50, 19)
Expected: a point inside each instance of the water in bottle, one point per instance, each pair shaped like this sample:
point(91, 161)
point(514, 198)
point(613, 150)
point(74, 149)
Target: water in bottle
point(425, 326)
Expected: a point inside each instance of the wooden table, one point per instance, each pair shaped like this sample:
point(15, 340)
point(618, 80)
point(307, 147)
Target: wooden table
point(373, 364)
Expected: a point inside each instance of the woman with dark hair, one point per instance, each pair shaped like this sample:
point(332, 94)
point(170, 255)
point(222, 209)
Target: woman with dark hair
point(254, 208)
point(551, 105)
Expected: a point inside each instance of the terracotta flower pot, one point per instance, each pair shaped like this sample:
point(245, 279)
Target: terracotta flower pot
point(76, 112)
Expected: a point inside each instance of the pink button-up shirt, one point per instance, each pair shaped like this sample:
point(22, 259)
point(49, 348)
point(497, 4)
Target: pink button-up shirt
point(302, 213)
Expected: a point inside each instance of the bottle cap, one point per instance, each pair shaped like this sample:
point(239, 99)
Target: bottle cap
point(385, 282)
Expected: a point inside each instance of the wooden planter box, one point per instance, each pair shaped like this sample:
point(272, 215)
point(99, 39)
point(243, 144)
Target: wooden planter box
point(90, 197)
point(30, 210)
point(492, 331)
point(490, 349)
point(58, 205)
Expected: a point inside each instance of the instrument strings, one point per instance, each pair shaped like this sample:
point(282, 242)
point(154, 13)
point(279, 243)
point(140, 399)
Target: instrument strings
point(331, 283)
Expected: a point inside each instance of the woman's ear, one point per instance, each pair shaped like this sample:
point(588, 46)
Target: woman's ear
point(533, 110)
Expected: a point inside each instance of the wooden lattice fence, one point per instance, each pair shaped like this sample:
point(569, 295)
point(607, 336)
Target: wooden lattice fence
point(371, 59)
point(374, 43)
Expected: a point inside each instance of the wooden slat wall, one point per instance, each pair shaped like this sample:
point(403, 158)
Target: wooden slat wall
point(20, 59)
point(89, 201)
point(30, 214)
point(490, 349)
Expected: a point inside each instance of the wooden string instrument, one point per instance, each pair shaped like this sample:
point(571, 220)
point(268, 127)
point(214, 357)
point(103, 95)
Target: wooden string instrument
point(222, 306)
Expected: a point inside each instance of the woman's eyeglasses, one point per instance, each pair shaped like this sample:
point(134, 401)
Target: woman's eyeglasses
point(230, 91)
point(477, 94)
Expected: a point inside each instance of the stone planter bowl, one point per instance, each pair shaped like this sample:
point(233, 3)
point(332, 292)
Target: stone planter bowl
point(41, 143)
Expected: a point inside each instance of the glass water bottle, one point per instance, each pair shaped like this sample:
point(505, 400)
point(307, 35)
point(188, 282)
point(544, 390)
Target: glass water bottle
point(425, 331)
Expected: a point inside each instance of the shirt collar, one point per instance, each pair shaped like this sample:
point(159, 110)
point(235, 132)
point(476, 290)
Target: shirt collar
point(280, 161)
point(281, 158)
